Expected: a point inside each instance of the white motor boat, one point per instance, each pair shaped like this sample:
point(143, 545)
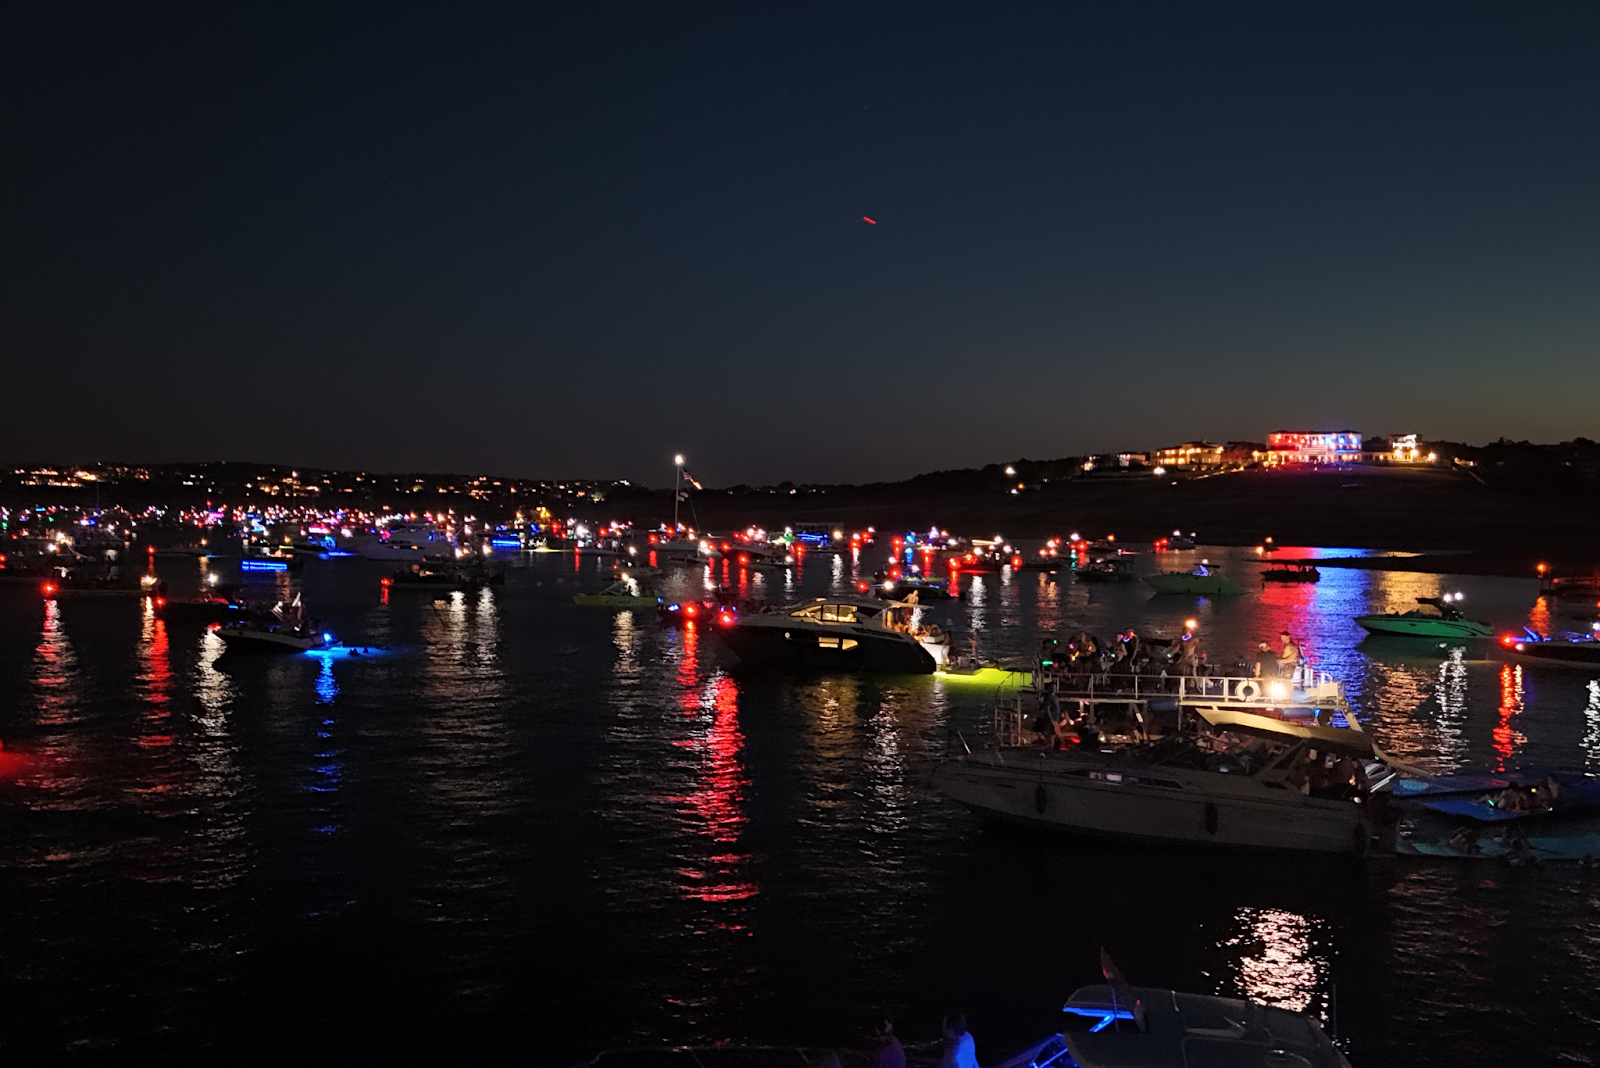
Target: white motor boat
point(1251, 784)
point(291, 631)
point(276, 638)
point(409, 541)
point(840, 634)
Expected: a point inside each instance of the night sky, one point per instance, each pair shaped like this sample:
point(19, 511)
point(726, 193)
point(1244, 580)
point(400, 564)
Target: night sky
point(564, 240)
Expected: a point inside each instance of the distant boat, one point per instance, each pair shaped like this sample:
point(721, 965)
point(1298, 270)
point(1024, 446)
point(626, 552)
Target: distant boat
point(1287, 572)
point(1116, 569)
point(1201, 581)
point(1444, 621)
point(409, 541)
point(1562, 650)
point(618, 595)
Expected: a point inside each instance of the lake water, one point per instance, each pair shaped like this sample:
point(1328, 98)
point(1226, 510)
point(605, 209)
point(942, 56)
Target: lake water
point(531, 826)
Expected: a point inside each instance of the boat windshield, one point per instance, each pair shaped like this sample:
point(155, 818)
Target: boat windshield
point(836, 613)
point(1225, 753)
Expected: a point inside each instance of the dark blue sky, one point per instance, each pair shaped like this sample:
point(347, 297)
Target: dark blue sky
point(571, 241)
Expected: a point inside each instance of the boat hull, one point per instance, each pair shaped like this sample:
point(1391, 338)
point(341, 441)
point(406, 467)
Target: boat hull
point(1558, 653)
point(270, 642)
point(604, 600)
point(1414, 627)
point(1194, 585)
point(766, 646)
point(1150, 805)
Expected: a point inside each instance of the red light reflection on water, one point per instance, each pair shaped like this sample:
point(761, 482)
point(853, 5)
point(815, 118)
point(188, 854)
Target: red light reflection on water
point(1506, 738)
point(54, 663)
point(689, 669)
point(1539, 616)
point(155, 662)
point(717, 801)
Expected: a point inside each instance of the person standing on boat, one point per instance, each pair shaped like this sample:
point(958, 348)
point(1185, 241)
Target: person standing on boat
point(889, 1053)
point(1266, 661)
point(959, 1049)
point(1289, 658)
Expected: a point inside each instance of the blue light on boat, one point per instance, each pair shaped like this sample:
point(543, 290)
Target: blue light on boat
point(506, 543)
point(1105, 1016)
point(263, 565)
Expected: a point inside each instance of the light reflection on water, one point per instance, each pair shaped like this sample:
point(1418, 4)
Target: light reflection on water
point(1276, 962)
point(714, 853)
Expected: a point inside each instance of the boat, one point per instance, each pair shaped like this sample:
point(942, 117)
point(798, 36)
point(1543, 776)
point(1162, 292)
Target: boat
point(444, 577)
point(1177, 542)
point(1566, 649)
point(1583, 848)
point(409, 541)
point(1291, 572)
point(1116, 569)
point(1237, 785)
point(623, 594)
point(841, 634)
point(1201, 580)
point(1554, 794)
point(1123, 1026)
point(913, 589)
point(1445, 620)
point(100, 581)
point(291, 631)
point(206, 608)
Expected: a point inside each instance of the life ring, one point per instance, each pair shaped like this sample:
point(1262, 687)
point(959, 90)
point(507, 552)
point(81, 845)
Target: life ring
point(1248, 690)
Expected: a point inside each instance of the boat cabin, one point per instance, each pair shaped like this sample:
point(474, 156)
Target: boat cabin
point(892, 615)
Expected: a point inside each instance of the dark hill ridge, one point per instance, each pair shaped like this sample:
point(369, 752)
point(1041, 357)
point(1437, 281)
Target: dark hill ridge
point(1360, 506)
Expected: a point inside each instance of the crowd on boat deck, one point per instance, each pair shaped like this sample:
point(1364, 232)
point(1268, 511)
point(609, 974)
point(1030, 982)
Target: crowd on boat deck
point(1131, 654)
point(955, 1048)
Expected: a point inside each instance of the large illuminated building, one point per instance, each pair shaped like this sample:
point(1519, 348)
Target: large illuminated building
point(1313, 447)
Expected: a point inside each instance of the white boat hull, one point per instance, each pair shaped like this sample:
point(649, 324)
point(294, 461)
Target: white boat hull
point(1155, 804)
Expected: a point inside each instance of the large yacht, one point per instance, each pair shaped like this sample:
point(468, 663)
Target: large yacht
point(840, 634)
point(1247, 780)
point(409, 541)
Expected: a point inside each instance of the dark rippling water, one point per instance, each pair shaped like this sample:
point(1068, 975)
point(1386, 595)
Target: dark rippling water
point(535, 826)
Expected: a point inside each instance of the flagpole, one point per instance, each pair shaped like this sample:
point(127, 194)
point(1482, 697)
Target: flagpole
point(677, 488)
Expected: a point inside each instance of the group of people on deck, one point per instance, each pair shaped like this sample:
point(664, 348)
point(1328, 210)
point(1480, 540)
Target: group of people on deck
point(1128, 653)
point(1282, 664)
point(957, 1048)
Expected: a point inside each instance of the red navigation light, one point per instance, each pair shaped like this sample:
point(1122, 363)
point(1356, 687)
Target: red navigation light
point(49, 589)
point(1506, 640)
point(1543, 568)
point(387, 581)
point(690, 610)
point(725, 619)
point(743, 558)
point(160, 601)
point(1016, 561)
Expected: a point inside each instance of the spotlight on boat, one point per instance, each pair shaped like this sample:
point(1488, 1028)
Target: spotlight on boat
point(1277, 691)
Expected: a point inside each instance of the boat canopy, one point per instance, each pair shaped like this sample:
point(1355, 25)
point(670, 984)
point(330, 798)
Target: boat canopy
point(1353, 741)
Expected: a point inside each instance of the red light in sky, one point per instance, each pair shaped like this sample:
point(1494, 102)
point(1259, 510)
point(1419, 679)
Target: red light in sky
point(864, 219)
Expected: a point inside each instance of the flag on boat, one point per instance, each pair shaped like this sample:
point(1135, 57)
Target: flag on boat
point(1121, 993)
